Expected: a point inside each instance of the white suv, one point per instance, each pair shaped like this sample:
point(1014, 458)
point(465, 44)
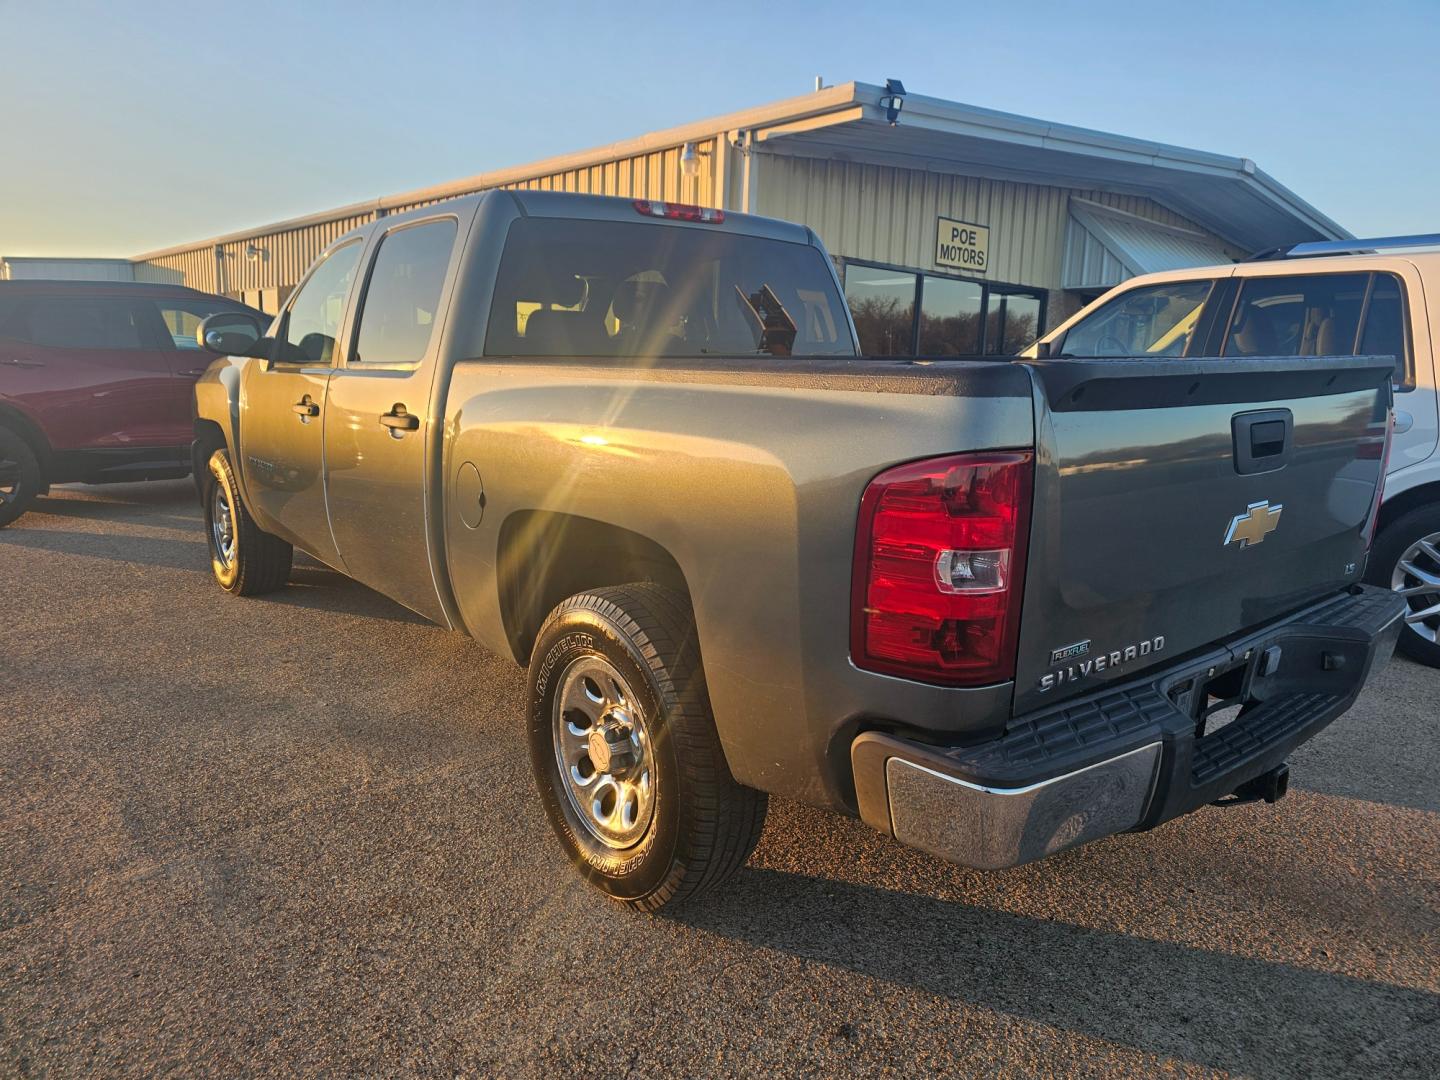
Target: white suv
point(1361, 297)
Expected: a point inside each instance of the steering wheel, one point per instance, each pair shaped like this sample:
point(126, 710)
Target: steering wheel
point(1110, 345)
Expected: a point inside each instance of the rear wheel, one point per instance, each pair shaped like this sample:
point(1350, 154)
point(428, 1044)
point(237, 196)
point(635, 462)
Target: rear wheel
point(245, 560)
point(19, 476)
point(1407, 559)
point(625, 753)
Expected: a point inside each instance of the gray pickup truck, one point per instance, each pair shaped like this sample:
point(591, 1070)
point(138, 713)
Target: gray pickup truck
point(995, 608)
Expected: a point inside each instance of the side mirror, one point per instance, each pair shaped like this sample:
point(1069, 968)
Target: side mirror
point(231, 333)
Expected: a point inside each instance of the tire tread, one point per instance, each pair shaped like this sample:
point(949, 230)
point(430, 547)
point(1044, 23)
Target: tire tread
point(723, 820)
point(264, 560)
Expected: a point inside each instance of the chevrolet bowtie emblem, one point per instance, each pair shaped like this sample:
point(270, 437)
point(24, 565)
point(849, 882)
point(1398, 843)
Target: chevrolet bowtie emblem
point(1259, 521)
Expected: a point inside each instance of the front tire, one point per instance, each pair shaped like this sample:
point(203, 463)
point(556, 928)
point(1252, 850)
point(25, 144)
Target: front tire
point(20, 478)
point(1406, 558)
point(245, 560)
point(625, 753)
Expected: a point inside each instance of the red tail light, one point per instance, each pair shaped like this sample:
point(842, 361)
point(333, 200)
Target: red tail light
point(939, 568)
point(680, 211)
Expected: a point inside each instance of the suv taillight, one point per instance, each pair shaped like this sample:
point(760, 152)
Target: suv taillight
point(1384, 450)
point(939, 568)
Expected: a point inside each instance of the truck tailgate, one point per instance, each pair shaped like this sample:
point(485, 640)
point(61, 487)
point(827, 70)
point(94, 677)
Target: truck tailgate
point(1179, 501)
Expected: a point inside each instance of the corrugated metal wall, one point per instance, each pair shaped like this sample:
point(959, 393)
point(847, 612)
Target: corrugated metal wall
point(280, 259)
point(656, 175)
point(885, 214)
point(283, 257)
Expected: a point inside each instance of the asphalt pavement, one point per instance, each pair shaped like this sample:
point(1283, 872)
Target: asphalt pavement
point(297, 834)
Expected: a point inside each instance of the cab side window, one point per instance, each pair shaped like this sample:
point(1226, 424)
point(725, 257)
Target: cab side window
point(312, 322)
point(402, 296)
point(1304, 315)
point(1158, 320)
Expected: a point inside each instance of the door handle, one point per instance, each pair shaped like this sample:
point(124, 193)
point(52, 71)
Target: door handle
point(1262, 440)
point(398, 420)
point(22, 361)
point(194, 372)
point(1403, 421)
point(305, 407)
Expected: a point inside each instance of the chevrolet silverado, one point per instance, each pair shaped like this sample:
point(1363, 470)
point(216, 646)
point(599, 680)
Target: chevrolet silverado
point(995, 608)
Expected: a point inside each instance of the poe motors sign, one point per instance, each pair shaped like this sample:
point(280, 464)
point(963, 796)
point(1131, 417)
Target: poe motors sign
point(962, 246)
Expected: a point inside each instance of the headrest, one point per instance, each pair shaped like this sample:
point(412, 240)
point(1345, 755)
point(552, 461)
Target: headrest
point(633, 298)
point(563, 333)
point(566, 290)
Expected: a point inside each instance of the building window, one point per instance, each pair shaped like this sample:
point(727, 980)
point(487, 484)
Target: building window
point(951, 314)
point(883, 305)
point(904, 313)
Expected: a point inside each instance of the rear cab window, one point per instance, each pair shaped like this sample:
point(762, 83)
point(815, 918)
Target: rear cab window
point(1153, 320)
point(608, 288)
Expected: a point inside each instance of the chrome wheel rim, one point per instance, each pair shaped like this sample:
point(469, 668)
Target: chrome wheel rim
point(222, 527)
point(603, 752)
point(1417, 578)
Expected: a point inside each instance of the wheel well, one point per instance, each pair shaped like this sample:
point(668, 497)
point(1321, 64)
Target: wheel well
point(23, 426)
point(208, 438)
point(1406, 501)
point(545, 558)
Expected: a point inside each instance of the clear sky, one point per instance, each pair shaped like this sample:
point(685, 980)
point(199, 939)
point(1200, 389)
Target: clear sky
point(132, 126)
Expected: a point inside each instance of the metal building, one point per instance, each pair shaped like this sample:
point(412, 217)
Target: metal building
point(957, 229)
point(14, 268)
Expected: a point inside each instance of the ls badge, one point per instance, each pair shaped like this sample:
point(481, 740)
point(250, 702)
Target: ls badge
point(1259, 521)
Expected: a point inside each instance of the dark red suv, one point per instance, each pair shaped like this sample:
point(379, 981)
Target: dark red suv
point(96, 383)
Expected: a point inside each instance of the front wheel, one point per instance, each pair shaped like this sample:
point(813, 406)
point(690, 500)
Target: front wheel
point(1406, 558)
point(19, 476)
point(245, 560)
point(625, 753)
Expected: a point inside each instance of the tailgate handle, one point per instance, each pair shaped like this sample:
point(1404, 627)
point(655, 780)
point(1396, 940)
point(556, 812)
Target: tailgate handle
point(1262, 440)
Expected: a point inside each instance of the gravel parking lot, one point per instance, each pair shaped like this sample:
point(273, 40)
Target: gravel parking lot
point(297, 834)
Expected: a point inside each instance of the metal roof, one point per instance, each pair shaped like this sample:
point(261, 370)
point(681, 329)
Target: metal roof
point(1227, 195)
point(1104, 246)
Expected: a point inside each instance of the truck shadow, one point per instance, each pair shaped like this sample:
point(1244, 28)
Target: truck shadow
point(136, 550)
point(1211, 1008)
point(315, 586)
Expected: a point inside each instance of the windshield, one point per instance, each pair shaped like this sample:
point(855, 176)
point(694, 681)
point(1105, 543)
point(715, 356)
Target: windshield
point(1157, 320)
point(613, 288)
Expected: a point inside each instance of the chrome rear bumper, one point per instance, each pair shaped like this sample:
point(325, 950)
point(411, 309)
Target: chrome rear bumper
point(1132, 755)
point(990, 828)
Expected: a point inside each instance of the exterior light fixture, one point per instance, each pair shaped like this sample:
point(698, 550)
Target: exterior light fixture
point(690, 160)
point(252, 253)
point(893, 100)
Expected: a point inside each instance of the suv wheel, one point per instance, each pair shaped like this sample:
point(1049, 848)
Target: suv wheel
point(245, 560)
point(19, 476)
point(1407, 558)
point(625, 753)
